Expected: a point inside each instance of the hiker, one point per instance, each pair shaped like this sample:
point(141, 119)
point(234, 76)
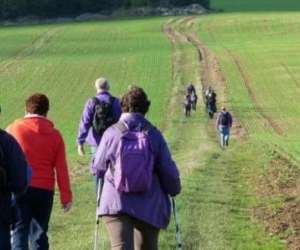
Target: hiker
point(208, 91)
point(194, 100)
point(13, 182)
point(44, 149)
point(139, 175)
point(187, 105)
point(224, 123)
point(210, 101)
point(99, 113)
point(190, 89)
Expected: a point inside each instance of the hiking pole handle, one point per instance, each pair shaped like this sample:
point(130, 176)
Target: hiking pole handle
point(178, 233)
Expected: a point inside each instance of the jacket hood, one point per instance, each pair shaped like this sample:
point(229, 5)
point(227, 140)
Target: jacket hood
point(38, 124)
point(133, 120)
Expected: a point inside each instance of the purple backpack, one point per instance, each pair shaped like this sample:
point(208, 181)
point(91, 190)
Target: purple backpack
point(134, 165)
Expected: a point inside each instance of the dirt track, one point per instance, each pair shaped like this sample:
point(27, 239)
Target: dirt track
point(210, 71)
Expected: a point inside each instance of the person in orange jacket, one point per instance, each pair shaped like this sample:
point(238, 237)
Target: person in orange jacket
point(44, 149)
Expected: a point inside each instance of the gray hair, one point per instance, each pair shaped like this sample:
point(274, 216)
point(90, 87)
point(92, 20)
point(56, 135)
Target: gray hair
point(102, 84)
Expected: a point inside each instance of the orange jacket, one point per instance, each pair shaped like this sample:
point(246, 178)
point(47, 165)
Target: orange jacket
point(44, 149)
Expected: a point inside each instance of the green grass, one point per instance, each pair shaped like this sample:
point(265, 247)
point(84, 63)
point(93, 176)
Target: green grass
point(63, 61)
point(217, 198)
point(264, 88)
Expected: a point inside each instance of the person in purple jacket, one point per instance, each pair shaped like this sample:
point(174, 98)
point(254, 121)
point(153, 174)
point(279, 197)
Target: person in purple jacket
point(87, 132)
point(134, 219)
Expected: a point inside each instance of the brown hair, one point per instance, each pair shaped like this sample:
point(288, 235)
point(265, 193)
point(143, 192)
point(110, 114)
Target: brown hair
point(135, 101)
point(37, 104)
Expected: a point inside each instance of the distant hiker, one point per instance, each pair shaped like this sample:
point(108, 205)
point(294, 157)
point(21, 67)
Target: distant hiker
point(211, 102)
point(13, 181)
point(44, 149)
point(187, 105)
point(208, 92)
point(99, 113)
point(224, 123)
point(194, 100)
point(191, 89)
point(139, 175)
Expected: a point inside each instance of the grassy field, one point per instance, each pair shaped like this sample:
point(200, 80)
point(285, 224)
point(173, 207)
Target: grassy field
point(63, 61)
point(258, 56)
point(260, 59)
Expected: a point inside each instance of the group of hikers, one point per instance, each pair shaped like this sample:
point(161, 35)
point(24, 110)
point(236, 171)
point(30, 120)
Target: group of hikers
point(224, 119)
point(131, 164)
point(133, 171)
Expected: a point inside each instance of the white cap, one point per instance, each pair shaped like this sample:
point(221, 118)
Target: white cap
point(102, 84)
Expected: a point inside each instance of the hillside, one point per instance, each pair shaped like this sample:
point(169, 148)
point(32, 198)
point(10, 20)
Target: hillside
point(245, 197)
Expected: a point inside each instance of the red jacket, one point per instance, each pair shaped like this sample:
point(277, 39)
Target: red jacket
point(44, 149)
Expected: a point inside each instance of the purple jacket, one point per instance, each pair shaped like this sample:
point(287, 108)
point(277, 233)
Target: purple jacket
point(86, 133)
point(153, 206)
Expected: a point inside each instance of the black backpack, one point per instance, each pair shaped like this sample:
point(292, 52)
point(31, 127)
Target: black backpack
point(103, 115)
point(224, 119)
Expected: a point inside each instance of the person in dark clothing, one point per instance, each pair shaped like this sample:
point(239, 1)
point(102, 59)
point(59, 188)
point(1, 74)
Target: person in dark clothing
point(211, 101)
point(223, 125)
point(187, 105)
point(194, 100)
point(13, 181)
point(191, 89)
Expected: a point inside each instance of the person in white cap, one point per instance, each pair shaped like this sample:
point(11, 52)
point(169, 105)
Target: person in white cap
point(99, 113)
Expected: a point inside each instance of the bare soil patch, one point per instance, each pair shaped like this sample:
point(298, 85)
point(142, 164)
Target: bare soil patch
point(280, 183)
point(211, 73)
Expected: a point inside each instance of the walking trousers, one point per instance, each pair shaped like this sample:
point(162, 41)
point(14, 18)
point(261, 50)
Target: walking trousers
point(34, 210)
point(4, 236)
point(128, 233)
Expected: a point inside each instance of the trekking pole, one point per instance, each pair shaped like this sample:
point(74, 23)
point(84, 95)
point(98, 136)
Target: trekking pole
point(99, 191)
point(178, 233)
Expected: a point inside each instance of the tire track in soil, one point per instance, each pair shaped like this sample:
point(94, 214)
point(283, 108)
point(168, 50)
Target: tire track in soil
point(247, 82)
point(12, 63)
point(291, 75)
point(174, 37)
point(211, 73)
point(195, 236)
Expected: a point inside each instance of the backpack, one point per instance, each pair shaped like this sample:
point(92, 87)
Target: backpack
point(224, 119)
point(134, 165)
point(103, 115)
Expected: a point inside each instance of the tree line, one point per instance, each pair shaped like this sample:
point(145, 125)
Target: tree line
point(10, 9)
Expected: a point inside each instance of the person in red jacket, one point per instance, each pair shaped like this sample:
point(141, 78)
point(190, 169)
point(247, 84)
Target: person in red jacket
point(44, 149)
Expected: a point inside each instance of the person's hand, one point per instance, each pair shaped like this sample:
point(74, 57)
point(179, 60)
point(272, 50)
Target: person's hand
point(67, 207)
point(80, 150)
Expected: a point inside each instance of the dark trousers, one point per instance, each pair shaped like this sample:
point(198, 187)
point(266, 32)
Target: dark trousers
point(4, 236)
point(34, 210)
point(127, 233)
